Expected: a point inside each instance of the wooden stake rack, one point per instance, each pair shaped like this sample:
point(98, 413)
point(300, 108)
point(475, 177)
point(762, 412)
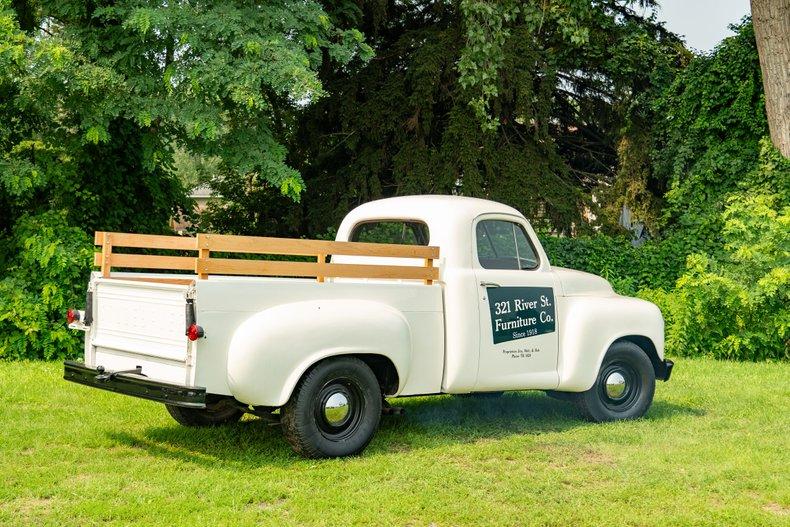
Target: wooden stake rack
point(204, 265)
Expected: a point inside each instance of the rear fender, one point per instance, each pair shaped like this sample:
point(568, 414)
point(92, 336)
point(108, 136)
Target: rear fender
point(271, 350)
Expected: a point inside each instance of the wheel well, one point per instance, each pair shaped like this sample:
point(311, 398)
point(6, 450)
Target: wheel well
point(385, 371)
point(383, 368)
point(649, 348)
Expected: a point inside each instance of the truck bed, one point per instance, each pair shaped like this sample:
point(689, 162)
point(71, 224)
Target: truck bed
point(140, 320)
point(142, 323)
point(226, 302)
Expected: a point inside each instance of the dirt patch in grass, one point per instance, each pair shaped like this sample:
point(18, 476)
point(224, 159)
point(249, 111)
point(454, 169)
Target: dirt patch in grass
point(32, 506)
point(595, 457)
point(777, 509)
point(267, 505)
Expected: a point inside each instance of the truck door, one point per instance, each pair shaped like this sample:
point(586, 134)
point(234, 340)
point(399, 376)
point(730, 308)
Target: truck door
point(517, 306)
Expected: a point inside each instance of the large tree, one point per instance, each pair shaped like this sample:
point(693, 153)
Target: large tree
point(94, 95)
point(771, 20)
point(521, 102)
point(711, 120)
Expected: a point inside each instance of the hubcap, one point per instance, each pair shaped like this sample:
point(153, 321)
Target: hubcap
point(339, 408)
point(616, 386)
point(336, 409)
point(619, 386)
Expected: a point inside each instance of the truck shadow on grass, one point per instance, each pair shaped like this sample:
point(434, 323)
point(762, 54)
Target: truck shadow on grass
point(429, 422)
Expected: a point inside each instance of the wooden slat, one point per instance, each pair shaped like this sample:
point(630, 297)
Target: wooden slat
point(148, 241)
point(321, 261)
point(256, 267)
point(106, 251)
point(429, 265)
point(147, 261)
point(402, 272)
point(310, 269)
point(203, 253)
point(177, 281)
point(300, 247)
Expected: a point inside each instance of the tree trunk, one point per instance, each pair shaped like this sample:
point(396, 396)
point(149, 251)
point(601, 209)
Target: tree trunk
point(25, 15)
point(772, 31)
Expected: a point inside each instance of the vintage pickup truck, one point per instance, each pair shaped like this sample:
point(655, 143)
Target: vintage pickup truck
point(379, 312)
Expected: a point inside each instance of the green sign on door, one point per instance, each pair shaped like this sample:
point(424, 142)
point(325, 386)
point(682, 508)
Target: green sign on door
point(520, 312)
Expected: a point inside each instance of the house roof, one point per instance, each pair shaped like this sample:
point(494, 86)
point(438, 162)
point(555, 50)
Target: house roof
point(203, 191)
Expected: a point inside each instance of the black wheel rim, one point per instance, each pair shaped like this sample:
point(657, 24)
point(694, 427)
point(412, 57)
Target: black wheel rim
point(334, 423)
point(619, 386)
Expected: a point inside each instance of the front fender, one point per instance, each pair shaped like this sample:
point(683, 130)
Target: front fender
point(271, 350)
point(591, 324)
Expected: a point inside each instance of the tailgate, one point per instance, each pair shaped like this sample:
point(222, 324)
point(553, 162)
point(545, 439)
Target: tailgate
point(139, 323)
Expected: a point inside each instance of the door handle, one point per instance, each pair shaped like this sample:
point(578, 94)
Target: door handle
point(489, 284)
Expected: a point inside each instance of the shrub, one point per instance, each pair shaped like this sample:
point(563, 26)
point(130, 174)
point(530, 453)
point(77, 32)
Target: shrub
point(655, 264)
point(737, 306)
point(48, 268)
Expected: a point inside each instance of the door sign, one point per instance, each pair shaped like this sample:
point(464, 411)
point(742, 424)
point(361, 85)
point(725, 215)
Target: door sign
point(520, 312)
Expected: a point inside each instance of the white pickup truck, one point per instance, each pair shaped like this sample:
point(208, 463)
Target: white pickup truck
point(418, 295)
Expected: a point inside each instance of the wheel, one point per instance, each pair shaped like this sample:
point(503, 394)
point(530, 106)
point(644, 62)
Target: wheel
point(334, 410)
point(219, 412)
point(624, 387)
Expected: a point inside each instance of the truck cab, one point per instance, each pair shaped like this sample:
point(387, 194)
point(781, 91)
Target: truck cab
point(417, 295)
point(512, 319)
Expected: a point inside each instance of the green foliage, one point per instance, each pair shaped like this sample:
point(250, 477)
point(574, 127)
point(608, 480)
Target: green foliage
point(712, 119)
point(654, 264)
point(49, 268)
point(94, 99)
point(737, 306)
point(194, 170)
point(215, 78)
point(720, 271)
point(535, 104)
point(488, 28)
point(729, 213)
point(726, 206)
point(550, 83)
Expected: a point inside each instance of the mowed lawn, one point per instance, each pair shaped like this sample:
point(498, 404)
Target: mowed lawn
point(713, 450)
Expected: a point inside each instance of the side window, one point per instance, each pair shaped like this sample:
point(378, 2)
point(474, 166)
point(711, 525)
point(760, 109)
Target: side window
point(503, 244)
point(402, 232)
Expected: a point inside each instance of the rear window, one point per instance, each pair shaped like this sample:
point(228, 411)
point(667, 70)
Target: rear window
point(401, 232)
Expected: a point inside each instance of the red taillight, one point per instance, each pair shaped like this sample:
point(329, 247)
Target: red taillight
point(72, 315)
point(194, 332)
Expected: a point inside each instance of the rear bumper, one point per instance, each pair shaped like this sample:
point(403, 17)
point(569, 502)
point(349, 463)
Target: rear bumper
point(135, 385)
point(664, 370)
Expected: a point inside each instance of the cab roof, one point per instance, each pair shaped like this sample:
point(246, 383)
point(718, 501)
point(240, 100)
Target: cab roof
point(449, 220)
point(428, 208)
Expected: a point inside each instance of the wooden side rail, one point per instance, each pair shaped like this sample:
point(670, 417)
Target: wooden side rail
point(204, 265)
point(106, 259)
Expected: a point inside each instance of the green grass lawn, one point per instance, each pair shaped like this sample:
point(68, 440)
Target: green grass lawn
point(713, 450)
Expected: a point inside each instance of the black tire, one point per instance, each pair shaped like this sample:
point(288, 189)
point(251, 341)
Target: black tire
point(305, 420)
point(633, 366)
point(219, 412)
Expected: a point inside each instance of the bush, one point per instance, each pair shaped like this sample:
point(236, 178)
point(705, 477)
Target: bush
point(730, 302)
point(656, 264)
point(48, 268)
point(737, 306)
